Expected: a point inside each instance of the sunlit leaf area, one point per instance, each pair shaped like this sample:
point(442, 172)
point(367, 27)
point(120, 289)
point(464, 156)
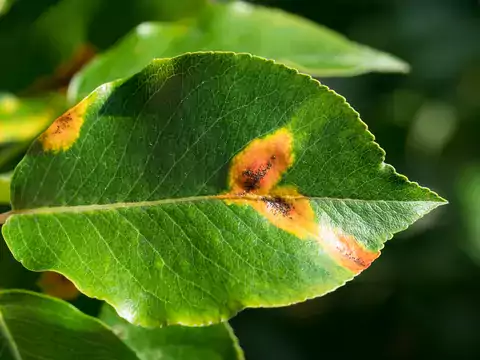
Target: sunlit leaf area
point(232, 179)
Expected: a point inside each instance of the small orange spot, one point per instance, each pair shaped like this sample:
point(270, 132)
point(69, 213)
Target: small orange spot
point(57, 285)
point(64, 131)
point(253, 179)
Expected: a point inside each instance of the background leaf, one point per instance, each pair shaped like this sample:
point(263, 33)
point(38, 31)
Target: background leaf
point(44, 44)
point(56, 285)
point(468, 188)
point(5, 188)
point(216, 342)
point(30, 322)
point(205, 184)
point(239, 27)
point(23, 119)
point(5, 6)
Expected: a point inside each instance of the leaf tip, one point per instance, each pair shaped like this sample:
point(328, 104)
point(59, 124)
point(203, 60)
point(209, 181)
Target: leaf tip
point(380, 61)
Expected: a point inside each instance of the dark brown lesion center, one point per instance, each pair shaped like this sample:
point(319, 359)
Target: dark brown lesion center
point(62, 123)
point(357, 260)
point(252, 178)
point(252, 181)
point(278, 206)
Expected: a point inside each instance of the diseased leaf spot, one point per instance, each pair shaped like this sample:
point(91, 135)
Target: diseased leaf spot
point(346, 248)
point(288, 210)
point(64, 131)
point(278, 206)
point(259, 167)
point(254, 177)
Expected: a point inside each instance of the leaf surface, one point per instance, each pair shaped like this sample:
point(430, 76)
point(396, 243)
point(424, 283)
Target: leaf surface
point(5, 188)
point(215, 342)
point(34, 327)
point(205, 184)
point(240, 27)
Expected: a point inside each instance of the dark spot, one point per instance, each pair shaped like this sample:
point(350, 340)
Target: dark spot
point(252, 178)
point(62, 123)
point(278, 206)
point(358, 260)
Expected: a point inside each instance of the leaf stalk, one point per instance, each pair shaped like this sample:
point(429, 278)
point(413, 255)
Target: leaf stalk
point(5, 216)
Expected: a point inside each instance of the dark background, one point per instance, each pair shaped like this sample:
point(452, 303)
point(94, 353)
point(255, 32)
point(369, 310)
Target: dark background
point(421, 298)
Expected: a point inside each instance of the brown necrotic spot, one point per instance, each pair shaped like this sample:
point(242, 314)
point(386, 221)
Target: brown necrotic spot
point(253, 179)
point(64, 131)
point(278, 206)
point(260, 166)
point(345, 248)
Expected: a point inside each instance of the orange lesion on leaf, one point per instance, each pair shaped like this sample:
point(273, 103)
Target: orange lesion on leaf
point(346, 249)
point(253, 179)
point(259, 167)
point(64, 131)
point(57, 285)
point(287, 209)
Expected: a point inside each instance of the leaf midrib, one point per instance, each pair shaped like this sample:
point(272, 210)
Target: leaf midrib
point(120, 205)
point(9, 338)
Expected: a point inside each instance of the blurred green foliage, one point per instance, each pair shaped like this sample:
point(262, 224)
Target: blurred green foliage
point(51, 39)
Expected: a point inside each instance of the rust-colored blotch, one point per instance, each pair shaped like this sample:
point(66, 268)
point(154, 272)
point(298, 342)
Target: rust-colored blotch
point(253, 179)
point(288, 210)
point(57, 285)
point(64, 131)
point(346, 249)
point(260, 166)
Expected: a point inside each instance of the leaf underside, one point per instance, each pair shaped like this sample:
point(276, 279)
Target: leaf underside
point(205, 184)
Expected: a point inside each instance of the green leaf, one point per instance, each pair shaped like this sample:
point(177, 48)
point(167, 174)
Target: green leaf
point(5, 188)
point(205, 184)
point(33, 326)
point(239, 27)
point(5, 6)
point(216, 342)
point(45, 42)
point(22, 119)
